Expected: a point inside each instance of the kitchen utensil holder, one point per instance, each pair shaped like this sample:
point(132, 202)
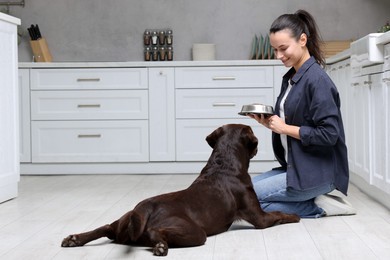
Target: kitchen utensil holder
point(40, 50)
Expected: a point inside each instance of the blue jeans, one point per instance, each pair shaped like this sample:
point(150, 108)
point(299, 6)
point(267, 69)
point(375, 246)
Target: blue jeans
point(274, 195)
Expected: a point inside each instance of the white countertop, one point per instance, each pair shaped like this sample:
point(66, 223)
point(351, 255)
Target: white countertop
point(10, 19)
point(134, 64)
point(384, 38)
point(149, 64)
point(345, 54)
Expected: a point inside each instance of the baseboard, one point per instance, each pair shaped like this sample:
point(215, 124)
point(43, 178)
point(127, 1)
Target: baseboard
point(372, 191)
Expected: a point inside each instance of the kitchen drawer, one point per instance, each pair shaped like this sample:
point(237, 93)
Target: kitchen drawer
point(218, 103)
point(387, 57)
point(90, 141)
point(89, 104)
point(134, 78)
point(224, 77)
point(191, 136)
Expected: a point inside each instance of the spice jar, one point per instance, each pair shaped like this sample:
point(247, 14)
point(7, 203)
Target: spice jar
point(147, 53)
point(161, 38)
point(154, 38)
point(170, 53)
point(162, 53)
point(169, 37)
point(147, 37)
point(155, 54)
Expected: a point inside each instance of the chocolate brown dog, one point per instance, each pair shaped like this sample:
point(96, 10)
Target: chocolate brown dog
point(222, 194)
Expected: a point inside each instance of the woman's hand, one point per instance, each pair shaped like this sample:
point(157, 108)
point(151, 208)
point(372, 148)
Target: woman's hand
point(276, 124)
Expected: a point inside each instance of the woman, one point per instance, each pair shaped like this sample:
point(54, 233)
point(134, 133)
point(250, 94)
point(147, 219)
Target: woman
point(307, 129)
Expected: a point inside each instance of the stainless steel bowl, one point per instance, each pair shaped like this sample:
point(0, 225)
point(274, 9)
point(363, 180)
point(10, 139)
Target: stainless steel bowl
point(256, 109)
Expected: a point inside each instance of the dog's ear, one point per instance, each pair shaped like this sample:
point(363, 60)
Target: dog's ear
point(214, 136)
point(252, 142)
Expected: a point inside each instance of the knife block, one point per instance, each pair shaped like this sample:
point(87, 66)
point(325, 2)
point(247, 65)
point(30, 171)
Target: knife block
point(40, 50)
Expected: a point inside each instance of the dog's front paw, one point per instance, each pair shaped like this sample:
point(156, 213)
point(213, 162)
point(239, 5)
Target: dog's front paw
point(71, 241)
point(160, 249)
point(291, 218)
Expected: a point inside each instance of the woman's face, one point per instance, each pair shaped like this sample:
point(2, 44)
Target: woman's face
point(292, 52)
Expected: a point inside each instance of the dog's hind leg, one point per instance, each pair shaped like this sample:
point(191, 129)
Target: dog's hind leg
point(181, 233)
point(83, 238)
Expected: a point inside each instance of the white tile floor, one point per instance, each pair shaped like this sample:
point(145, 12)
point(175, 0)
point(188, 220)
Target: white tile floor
point(51, 207)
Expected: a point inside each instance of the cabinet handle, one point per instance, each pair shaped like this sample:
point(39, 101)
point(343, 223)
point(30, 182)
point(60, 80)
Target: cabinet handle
point(224, 104)
point(347, 65)
point(355, 84)
point(88, 80)
point(90, 136)
point(386, 80)
point(88, 105)
point(224, 78)
point(367, 82)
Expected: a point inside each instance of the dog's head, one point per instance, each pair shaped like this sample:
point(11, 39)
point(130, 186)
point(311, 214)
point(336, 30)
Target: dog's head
point(235, 133)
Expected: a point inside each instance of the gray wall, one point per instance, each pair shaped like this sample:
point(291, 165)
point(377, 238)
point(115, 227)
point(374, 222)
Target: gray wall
point(111, 30)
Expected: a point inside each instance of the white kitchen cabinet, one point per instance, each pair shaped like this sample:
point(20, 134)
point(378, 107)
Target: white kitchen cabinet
point(218, 103)
point(361, 119)
point(89, 141)
point(24, 115)
point(9, 108)
point(224, 77)
point(213, 96)
point(89, 115)
point(89, 104)
point(162, 114)
point(88, 78)
point(341, 75)
point(139, 117)
point(380, 176)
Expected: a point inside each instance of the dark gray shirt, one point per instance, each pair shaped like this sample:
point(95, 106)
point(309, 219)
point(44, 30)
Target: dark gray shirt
point(313, 104)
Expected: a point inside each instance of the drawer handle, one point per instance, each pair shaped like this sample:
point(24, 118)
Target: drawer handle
point(367, 82)
point(88, 105)
point(224, 78)
point(224, 104)
point(88, 80)
point(386, 80)
point(90, 136)
point(355, 84)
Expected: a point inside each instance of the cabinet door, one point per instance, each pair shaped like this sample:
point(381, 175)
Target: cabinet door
point(162, 114)
point(89, 104)
point(191, 136)
point(361, 123)
point(87, 78)
point(9, 116)
point(224, 77)
point(24, 115)
point(380, 175)
point(218, 103)
point(90, 141)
